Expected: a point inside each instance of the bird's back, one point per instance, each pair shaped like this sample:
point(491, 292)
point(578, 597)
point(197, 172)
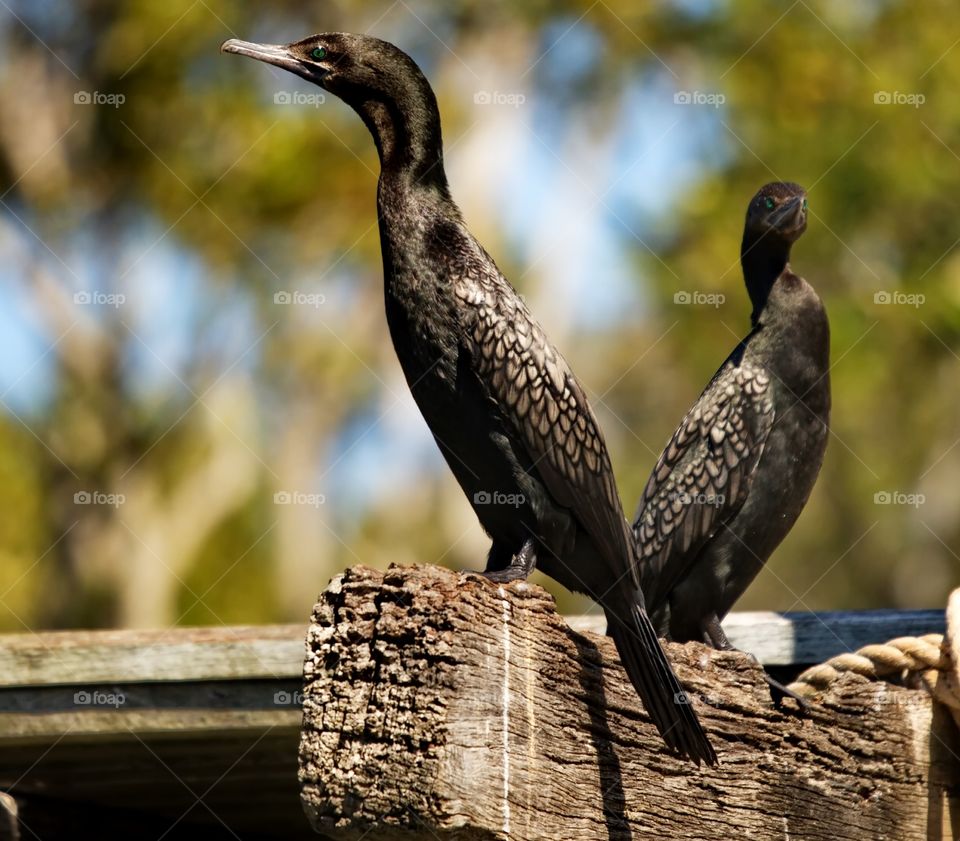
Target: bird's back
point(776, 384)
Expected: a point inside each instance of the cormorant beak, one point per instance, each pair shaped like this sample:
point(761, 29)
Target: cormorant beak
point(789, 216)
point(275, 54)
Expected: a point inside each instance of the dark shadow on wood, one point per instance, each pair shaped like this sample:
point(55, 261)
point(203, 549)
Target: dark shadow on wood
point(944, 776)
point(935, 813)
point(611, 779)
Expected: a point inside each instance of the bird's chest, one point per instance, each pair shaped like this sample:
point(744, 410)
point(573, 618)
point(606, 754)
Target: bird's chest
point(794, 450)
point(792, 456)
point(425, 330)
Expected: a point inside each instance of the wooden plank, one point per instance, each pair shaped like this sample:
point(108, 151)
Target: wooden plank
point(174, 654)
point(240, 786)
point(806, 638)
point(447, 708)
point(276, 651)
point(197, 710)
point(129, 727)
point(788, 639)
point(181, 754)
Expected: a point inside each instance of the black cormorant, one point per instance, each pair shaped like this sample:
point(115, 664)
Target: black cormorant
point(503, 405)
point(737, 472)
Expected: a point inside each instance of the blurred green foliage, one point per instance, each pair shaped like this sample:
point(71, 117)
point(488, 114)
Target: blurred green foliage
point(254, 198)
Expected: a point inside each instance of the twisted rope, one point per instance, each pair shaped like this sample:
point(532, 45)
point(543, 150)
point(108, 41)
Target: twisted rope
point(933, 660)
point(876, 662)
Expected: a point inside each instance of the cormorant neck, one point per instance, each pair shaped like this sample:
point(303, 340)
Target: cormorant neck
point(408, 139)
point(763, 259)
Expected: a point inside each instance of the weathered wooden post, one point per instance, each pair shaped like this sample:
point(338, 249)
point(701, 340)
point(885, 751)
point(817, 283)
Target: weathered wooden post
point(439, 705)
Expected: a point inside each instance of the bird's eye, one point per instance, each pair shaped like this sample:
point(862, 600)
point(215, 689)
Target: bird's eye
point(804, 205)
point(769, 203)
point(319, 53)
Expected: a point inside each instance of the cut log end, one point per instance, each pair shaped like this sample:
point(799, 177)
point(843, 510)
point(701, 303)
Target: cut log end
point(439, 704)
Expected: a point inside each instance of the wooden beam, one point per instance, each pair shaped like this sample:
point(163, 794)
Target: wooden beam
point(276, 651)
point(174, 654)
point(439, 705)
point(185, 733)
point(219, 755)
point(219, 709)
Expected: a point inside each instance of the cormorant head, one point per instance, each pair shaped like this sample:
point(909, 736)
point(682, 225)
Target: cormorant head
point(380, 82)
point(778, 211)
point(355, 68)
point(776, 217)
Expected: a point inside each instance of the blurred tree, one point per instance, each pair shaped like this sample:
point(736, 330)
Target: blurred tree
point(193, 265)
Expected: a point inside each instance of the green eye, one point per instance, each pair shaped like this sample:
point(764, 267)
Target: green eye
point(804, 204)
point(319, 53)
point(769, 203)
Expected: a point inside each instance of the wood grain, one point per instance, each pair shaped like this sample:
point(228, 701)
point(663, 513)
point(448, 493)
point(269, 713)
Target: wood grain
point(439, 705)
point(174, 654)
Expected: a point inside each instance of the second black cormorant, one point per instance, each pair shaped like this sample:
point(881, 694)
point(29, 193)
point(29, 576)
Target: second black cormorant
point(504, 407)
point(738, 471)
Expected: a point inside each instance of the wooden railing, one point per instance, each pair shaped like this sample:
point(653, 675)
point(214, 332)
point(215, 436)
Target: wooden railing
point(416, 726)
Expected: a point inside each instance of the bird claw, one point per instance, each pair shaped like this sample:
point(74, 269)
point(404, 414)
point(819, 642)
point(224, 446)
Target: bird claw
point(519, 568)
point(778, 692)
point(504, 576)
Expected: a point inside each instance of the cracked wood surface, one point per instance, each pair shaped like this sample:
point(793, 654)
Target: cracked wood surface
point(439, 705)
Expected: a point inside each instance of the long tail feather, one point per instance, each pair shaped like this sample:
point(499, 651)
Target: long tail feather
point(652, 676)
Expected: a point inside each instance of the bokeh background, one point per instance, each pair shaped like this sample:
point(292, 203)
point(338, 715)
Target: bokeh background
point(201, 416)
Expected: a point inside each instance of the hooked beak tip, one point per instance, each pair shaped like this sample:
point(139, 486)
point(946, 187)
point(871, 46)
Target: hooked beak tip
point(790, 214)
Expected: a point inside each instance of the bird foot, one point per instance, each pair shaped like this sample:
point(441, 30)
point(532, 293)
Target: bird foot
point(778, 692)
point(504, 576)
point(716, 636)
point(519, 568)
